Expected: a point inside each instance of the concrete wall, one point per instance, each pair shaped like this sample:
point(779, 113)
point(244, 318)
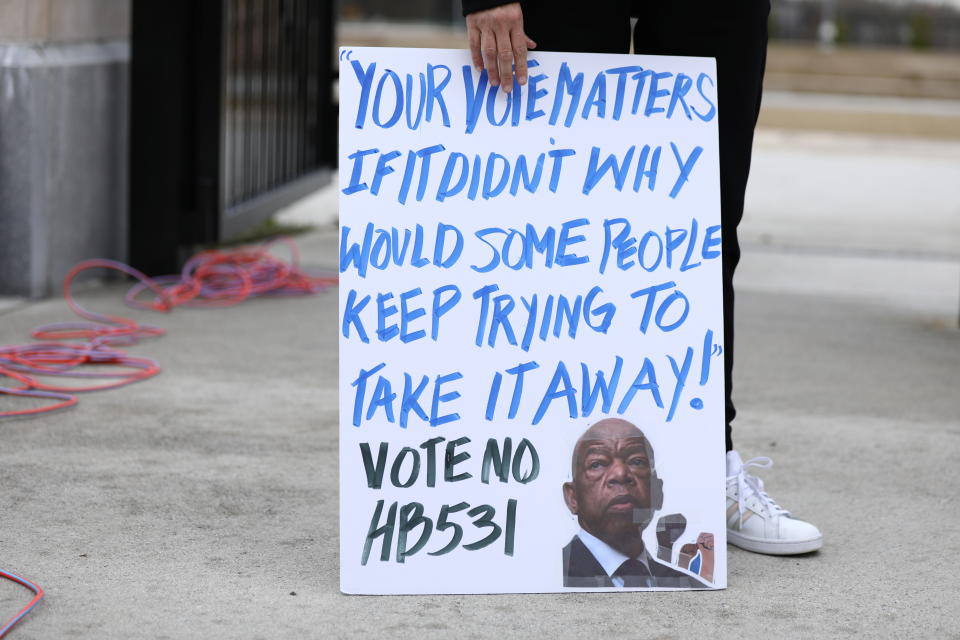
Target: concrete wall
point(63, 138)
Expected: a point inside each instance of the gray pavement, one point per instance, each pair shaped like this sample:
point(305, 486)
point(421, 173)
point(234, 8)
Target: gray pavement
point(196, 504)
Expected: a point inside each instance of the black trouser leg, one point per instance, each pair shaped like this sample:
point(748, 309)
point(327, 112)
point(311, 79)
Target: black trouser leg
point(735, 33)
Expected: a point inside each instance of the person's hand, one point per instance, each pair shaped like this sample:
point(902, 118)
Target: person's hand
point(705, 541)
point(497, 43)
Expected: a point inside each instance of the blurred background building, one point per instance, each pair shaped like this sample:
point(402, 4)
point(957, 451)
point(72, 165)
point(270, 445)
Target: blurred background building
point(137, 129)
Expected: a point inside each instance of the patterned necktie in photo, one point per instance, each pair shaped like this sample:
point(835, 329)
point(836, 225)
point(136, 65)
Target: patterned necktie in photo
point(634, 574)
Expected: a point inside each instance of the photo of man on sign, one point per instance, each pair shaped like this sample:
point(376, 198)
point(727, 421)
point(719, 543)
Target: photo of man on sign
point(614, 493)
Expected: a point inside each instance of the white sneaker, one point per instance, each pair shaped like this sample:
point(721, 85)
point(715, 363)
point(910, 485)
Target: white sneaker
point(755, 522)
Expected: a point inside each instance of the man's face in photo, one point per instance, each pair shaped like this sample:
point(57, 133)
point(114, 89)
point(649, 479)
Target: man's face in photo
point(610, 492)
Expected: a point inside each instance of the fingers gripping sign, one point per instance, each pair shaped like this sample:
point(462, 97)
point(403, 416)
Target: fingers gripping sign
point(499, 44)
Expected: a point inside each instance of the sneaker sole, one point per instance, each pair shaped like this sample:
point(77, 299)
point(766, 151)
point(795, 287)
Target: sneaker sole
point(778, 548)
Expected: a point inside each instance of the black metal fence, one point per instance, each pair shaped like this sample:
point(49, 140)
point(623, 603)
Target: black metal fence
point(277, 80)
point(232, 117)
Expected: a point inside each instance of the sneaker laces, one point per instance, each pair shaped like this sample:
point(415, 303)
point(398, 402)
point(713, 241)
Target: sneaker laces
point(752, 485)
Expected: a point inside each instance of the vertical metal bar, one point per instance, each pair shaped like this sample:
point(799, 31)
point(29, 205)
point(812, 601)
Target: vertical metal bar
point(251, 35)
point(325, 79)
point(305, 84)
point(305, 69)
point(257, 46)
point(309, 106)
point(295, 86)
point(284, 42)
point(270, 43)
point(326, 112)
point(236, 89)
point(238, 147)
point(294, 75)
point(262, 32)
point(302, 85)
point(247, 106)
point(275, 92)
point(285, 92)
point(227, 110)
point(237, 97)
point(297, 94)
point(238, 104)
point(268, 84)
point(281, 49)
point(222, 168)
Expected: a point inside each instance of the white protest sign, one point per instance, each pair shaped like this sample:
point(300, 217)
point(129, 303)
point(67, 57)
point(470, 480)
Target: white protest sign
point(515, 269)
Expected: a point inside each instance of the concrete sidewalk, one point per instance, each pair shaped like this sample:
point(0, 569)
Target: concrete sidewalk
point(203, 503)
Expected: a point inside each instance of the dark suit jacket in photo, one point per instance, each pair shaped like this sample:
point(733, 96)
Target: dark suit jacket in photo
point(581, 569)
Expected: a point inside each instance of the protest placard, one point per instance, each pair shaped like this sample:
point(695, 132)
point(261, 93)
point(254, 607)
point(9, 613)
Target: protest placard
point(516, 269)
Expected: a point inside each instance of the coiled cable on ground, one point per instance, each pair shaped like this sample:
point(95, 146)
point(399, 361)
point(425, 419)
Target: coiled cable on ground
point(89, 351)
point(210, 279)
point(37, 597)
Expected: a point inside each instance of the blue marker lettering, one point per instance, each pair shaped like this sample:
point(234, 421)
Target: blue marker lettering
point(382, 170)
point(558, 155)
point(356, 254)
point(489, 190)
point(681, 87)
point(441, 307)
point(435, 92)
point(566, 85)
point(655, 93)
point(596, 98)
point(686, 166)
point(594, 173)
point(450, 260)
point(410, 400)
point(474, 96)
point(351, 316)
point(533, 93)
point(610, 241)
point(590, 394)
point(564, 259)
point(398, 100)
point(483, 295)
point(445, 190)
point(520, 172)
point(606, 310)
point(642, 170)
point(681, 374)
point(687, 265)
point(646, 380)
point(365, 78)
point(495, 257)
point(641, 78)
point(621, 73)
point(710, 240)
point(518, 372)
point(423, 96)
point(384, 311)
point(438, 397)
point(355, 174)
point(560, 387)
point(713, 109)
point(407, 316)
point(361, 384)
